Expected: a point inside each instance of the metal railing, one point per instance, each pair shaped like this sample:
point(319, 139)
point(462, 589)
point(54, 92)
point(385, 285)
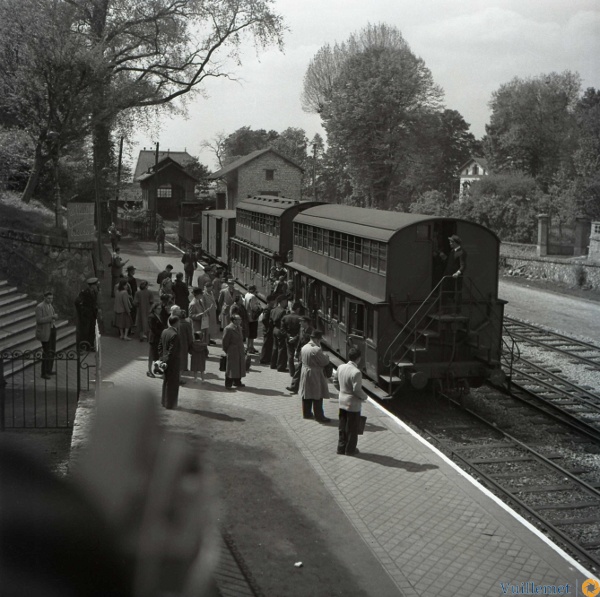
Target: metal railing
point(28, 400)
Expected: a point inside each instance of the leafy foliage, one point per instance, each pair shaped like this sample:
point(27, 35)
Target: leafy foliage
point(508, 204)
point(532, 124)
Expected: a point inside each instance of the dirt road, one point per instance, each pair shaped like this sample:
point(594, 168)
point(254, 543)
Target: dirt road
point(565, 314)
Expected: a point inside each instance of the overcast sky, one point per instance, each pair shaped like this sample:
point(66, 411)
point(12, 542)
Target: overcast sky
point(470, 46)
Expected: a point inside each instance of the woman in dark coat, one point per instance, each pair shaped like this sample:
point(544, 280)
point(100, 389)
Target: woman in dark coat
point(265, 319)
point(233, 347)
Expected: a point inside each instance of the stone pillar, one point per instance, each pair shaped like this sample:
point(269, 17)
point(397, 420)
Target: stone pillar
point(594, 254)
point(582, 235)
point(542, 240)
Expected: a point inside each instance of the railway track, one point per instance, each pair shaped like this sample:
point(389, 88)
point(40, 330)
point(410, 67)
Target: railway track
point(577, 351)
point(543, 480)
point(548, 384)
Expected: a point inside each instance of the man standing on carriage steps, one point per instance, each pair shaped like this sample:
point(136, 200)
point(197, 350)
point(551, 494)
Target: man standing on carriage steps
point(456, 264)
point(348, 380)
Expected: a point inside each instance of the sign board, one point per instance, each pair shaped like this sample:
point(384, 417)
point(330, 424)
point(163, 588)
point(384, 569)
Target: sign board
point(80, 222)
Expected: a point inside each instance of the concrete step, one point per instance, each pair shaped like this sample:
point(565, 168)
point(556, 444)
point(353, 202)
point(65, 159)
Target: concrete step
point(24, 335)
point(18, 311)
point(65, 339)
point(7, 291)
point(10, 299)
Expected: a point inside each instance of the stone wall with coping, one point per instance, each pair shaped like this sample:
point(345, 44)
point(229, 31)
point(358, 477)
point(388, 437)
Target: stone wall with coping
point(521, 260)
point(36, 262)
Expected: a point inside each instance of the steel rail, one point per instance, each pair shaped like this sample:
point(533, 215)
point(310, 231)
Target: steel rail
point(509, 494)
point(511, 324)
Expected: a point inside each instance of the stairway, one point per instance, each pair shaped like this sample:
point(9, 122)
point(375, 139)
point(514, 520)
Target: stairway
point(17, 328)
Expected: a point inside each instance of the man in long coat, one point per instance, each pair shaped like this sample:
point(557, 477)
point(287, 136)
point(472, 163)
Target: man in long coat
point(158, 320)
point(313, 383)
point(169, 349)
point(233, 347)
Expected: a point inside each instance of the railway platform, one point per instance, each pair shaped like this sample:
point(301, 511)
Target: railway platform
point(397, 519)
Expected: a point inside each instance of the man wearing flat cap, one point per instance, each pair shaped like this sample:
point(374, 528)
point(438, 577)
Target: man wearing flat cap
point(313, 382)
point(86, 305)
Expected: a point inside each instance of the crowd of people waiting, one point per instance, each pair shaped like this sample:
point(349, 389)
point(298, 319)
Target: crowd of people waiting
point(190, 315)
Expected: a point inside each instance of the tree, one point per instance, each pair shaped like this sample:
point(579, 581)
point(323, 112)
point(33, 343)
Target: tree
point(507, 203)
point(156, 52)
point(380, 97)
point(433, 203)
point(46, 76)
point(532, 124)
point(587, 155)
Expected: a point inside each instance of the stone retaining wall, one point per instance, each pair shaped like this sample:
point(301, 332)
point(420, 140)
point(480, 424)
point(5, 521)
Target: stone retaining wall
point(35, 262)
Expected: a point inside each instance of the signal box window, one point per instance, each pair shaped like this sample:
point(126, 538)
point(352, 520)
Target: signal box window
point(269, 174)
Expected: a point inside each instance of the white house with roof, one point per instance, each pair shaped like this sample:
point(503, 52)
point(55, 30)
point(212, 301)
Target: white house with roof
point(471, 171)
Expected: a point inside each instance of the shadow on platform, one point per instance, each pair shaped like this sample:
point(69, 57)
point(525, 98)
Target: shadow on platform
point(411, 467)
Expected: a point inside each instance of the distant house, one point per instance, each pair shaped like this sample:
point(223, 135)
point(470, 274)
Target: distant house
point(471, 171)
point(166, 185)
point(262, 172)
point(147, 158)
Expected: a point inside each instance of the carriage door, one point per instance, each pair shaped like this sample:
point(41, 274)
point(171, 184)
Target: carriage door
point(356, 329)
point(218, 237)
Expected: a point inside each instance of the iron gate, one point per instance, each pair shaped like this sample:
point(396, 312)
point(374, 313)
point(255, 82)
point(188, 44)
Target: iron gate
point(27, 400)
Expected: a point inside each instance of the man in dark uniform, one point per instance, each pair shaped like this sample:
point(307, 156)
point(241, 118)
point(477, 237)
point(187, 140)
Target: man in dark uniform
point(290, 326)
point(158, 320)
point(456, 264)
point(160, 236)
point(169, 349)
point(279, 354)
point(86, 305)
point(190, 264)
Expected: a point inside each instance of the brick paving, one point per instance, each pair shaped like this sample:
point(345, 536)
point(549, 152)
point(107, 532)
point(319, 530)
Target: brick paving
point(397, 520)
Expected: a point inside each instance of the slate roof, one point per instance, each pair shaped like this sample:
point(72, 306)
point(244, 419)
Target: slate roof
point(146, 160)
point(248, 158)
point(163, 164)
point(481, 161)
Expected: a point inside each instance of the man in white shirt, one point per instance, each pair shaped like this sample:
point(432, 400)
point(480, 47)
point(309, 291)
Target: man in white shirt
point(348, 380)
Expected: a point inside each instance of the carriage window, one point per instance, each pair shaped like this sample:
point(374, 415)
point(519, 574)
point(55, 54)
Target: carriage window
point(337, 245)
point(374, 255)
point(309, 238)
point(358, 247)
point(351, 250)
point(325, 242)
point(366, 253)
point(382, 258)
point(423, 232)
point(344, 244)
point(342, 309)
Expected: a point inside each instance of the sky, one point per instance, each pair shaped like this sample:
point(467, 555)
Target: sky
point(470, 46)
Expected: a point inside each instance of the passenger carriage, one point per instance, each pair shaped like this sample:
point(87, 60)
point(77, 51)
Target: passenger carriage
point(375, 279)
point(263, 230)
point(218, 226)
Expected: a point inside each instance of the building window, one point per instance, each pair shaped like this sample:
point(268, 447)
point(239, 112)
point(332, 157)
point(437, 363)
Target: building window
point(269, 174)
point(164, 192)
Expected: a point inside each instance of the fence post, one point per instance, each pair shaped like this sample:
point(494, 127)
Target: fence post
point(542, 240)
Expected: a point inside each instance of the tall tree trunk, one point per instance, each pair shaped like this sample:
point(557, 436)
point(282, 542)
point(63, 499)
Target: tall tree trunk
point(38, 163)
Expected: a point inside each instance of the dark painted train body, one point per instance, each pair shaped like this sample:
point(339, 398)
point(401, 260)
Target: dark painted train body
point(377, 279)
point(264, 232)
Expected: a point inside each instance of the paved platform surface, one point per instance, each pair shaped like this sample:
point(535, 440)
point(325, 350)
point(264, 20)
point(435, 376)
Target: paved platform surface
point(396, 520)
